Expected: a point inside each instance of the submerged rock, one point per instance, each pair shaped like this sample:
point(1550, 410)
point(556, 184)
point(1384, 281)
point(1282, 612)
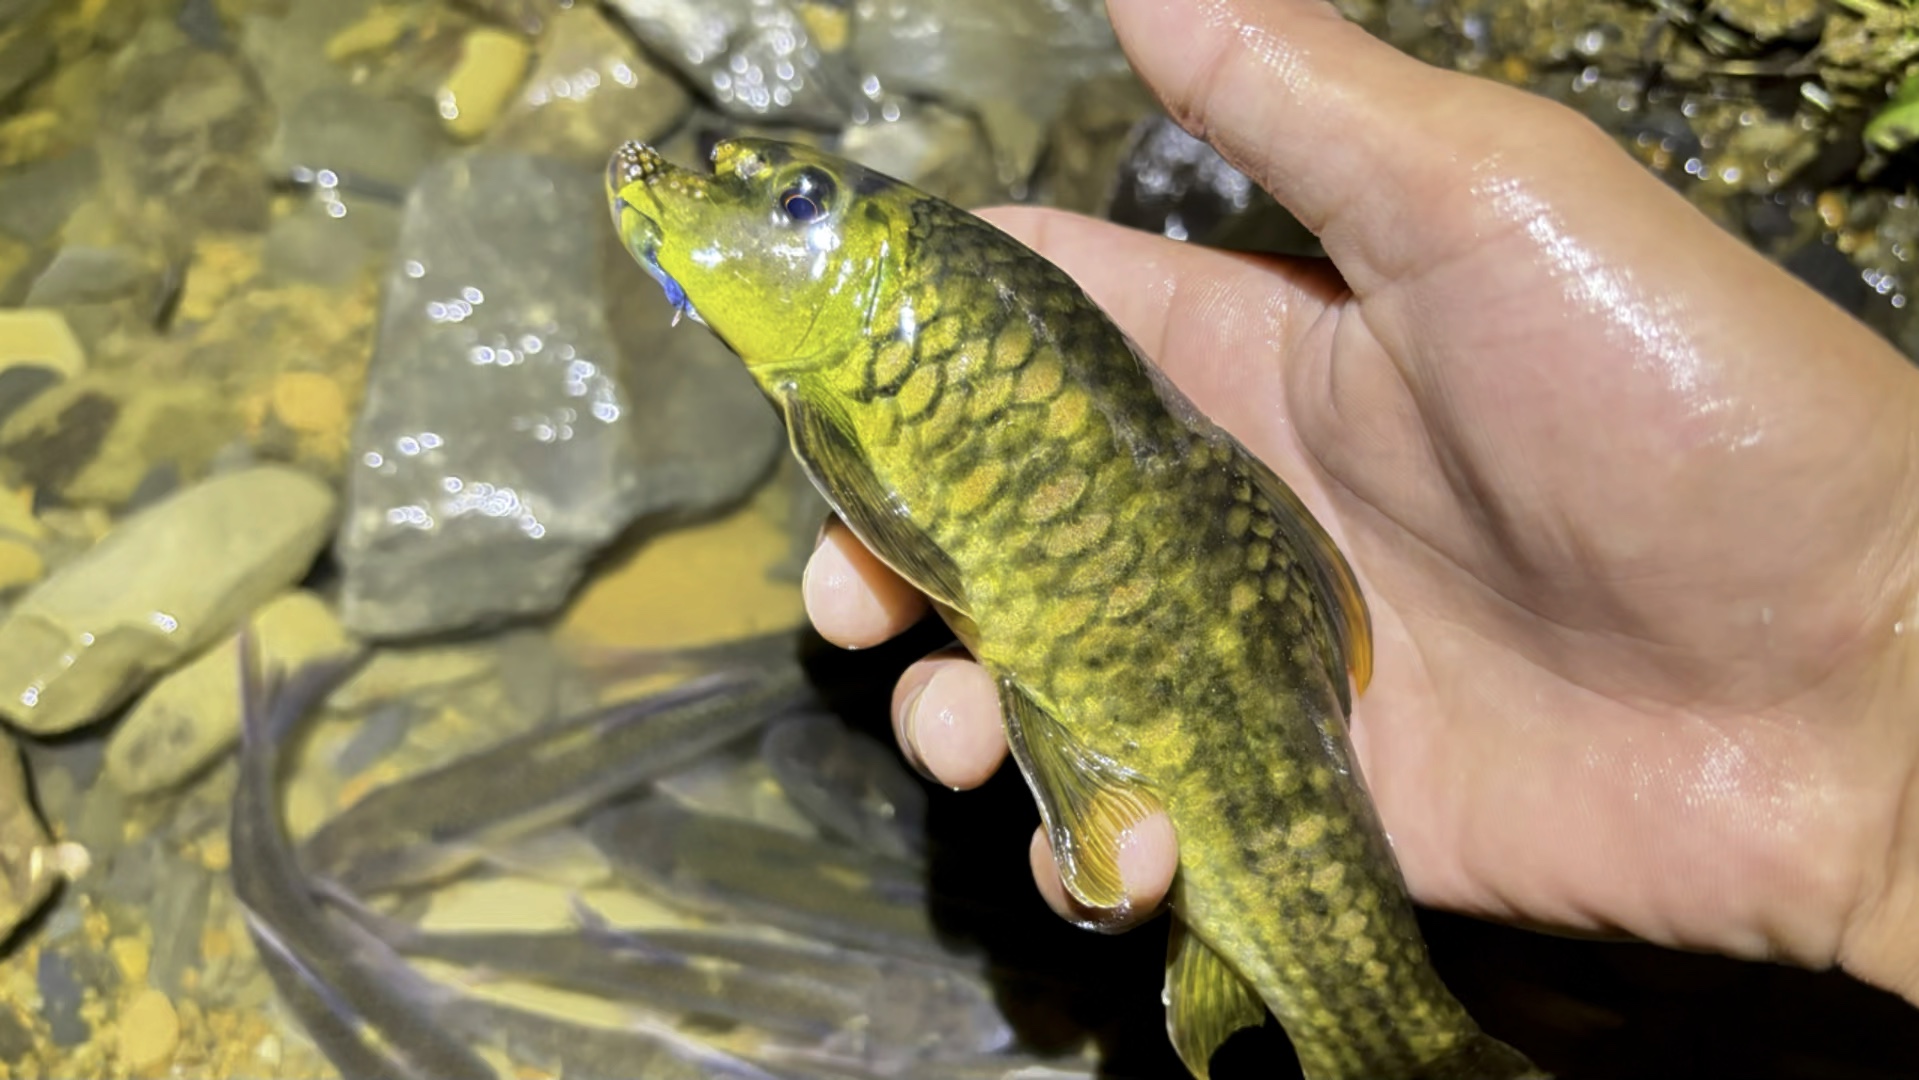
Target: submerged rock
point(935, 149)
point(29, 868)
point(1089, 141)
point(184, 127)
point(590, 90)
point(332, 121)
point(192, 716)
point(39, 338)
point(97, 438)
point(163, 584)
point(778, 61)
point(37, 197)
point(1011, 62)
point(513, 424)
point(490, 68)
point(1178, 186)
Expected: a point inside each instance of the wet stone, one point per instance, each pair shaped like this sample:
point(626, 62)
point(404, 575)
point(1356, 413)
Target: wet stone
point(96, 438)
point(184, 128)
point(935, 149)
point(1011, 62)
point(16, 1038)
point(55, 437)
point(1088, 142)
point(39, 339)
point(25, 53)
point(529, 17)
point(163, 584)
point(192, 716)
point(330, 238)
point(200, 21)
point(61, 994)
point(589, 90)
point(1178, 186)
point(342, 136)
point(28, 872)
point(37, 197)
point(12, 11)
point(525, 404)
point(81, 274)
point(761, 60)
point(490, 68)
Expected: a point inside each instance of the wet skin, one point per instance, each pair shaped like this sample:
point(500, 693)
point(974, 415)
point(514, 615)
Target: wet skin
point(1630, 505)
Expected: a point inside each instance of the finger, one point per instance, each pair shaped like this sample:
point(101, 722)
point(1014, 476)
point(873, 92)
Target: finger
point(946, 716)
point(1363, 143)
point(1148, 858)
point(855, 600)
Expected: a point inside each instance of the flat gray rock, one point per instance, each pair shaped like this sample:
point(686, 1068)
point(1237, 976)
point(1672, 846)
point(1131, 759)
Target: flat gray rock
point(526, 403)
point(589, 91)
point(758, 60)
point(163, 584)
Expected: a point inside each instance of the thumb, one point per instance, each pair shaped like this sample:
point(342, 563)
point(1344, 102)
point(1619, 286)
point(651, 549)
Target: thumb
point(1381, 155)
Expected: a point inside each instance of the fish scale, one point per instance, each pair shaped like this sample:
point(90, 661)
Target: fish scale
point(1219, 778)
point(1168, 626)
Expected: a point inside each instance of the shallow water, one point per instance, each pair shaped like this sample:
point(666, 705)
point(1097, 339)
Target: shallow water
point(311, 322)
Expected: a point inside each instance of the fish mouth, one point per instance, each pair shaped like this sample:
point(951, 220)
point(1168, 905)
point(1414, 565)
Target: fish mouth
point(635, 166)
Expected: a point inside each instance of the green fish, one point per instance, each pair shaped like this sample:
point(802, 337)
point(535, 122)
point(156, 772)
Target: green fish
point(1168, 626)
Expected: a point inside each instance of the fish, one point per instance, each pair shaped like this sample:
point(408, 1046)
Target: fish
point(848, 784)
point(438, 823)
point(371, 1013)
point(868, 1007)
point(347, 989)
point(1168, 626)
point(722, 867)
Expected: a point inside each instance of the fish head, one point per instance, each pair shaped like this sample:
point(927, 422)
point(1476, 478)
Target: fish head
point(781, 250)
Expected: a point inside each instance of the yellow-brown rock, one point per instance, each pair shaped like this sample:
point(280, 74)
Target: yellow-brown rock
point(492, 63)
point(192, 716)
point(41, 337)
point(149, 1030)
point(162, 585)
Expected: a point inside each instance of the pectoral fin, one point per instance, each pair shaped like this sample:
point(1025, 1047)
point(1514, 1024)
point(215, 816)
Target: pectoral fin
point(1088, 802)
point(1349, 623)
point(1206, 1001)
point(872, 510)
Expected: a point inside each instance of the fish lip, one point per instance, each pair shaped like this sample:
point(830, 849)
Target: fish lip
point(635, 162)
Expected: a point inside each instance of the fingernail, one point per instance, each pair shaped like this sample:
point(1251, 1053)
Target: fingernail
point(825, 524)
point(1141, 857)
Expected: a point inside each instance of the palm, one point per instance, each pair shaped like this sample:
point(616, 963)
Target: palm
point(1603, 641)
point(1629, 506)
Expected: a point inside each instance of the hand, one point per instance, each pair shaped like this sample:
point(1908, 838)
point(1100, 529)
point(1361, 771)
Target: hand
point(1633, 509)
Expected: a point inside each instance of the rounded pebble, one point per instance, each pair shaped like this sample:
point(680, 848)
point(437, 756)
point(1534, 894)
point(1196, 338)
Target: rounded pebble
point(149, 1030)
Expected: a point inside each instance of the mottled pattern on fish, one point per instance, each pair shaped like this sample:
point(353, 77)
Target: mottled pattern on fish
point(1167, 623)
point(1099, 537)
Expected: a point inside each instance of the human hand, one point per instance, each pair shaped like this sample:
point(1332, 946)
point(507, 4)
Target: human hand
point(1632, 508)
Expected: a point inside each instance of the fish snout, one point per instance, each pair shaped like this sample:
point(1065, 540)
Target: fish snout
point(632, 163)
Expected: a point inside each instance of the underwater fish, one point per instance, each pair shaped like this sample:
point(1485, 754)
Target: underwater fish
point(1168, 625)
point(432, 825)
point(371, 1013)
point(848, 784)
point(350, 992)
point(724, 867)
point(867, 1007)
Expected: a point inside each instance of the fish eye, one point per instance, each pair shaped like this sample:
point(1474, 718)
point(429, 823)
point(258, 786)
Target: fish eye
point(807, 197)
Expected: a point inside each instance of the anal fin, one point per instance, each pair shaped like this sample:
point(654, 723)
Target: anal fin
point(1206, 1001)
point(1088, 801)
